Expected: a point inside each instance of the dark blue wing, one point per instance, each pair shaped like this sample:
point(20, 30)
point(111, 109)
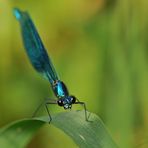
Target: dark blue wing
point(34, 46)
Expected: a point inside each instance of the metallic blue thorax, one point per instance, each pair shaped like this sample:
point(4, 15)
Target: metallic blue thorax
point(60, 89)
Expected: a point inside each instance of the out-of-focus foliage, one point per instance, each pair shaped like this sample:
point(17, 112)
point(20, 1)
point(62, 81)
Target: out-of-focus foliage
point(99, 49)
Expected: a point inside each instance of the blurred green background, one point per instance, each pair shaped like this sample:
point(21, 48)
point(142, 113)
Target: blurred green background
point(99, 49)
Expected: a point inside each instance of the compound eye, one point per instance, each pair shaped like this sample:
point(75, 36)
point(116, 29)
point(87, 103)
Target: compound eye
point(60, 102)
point(73, 99)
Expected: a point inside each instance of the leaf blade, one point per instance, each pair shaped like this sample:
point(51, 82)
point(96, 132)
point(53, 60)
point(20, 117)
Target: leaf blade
point(18, 134)
point(85, 134)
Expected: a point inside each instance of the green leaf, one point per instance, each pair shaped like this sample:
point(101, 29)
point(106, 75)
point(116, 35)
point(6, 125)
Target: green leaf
point(18, 134)
point(85, 134)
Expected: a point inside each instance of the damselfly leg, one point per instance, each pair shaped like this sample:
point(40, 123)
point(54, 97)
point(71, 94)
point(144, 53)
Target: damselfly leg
point(84, 106)
point(45, 102)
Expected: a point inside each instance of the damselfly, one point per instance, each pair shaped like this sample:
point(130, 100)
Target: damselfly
point(42, 63)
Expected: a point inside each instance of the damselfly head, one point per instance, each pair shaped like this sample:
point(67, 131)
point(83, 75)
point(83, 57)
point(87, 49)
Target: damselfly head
point(67, 102)
point(64, 103)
